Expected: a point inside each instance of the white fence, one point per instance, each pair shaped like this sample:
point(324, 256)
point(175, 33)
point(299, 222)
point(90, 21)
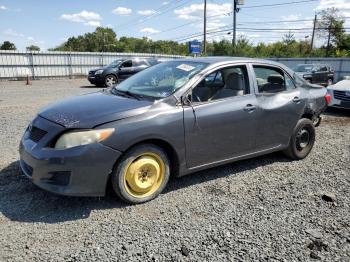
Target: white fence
point(15, 65)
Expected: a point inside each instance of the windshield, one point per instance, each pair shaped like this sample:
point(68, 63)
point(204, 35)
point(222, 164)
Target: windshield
point(115, 63)
point(161, 80)
point(303, 68)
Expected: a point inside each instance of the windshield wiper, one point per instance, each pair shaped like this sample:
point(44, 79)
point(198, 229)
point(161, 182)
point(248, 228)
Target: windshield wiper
point(127, 94)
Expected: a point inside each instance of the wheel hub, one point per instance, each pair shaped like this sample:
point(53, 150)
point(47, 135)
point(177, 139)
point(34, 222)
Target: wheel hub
point(144, 175)
point(303, 138)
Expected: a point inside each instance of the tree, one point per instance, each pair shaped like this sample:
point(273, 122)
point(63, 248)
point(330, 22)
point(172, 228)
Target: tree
point(33, 48)
point(289, 38)
point(102, 40)
point(331, 28)
point(7, 45)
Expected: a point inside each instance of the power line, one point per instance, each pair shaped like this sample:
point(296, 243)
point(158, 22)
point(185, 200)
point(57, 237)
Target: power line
point(279, 4)
point(275, 30)
point(158, 12)
point(189, 23)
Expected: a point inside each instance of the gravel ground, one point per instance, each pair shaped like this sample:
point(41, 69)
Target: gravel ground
point(266, 209)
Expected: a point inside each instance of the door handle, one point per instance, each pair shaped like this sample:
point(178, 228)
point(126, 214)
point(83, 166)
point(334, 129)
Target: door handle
point(296, 99)
point(249, 108)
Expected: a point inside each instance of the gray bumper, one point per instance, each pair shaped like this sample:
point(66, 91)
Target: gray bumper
point(78, 171)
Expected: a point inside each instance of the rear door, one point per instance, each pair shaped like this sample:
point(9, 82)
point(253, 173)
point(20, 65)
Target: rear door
point(139, 65)
point(281, 104)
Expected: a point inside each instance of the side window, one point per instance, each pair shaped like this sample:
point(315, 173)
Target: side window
point(289, 82)
point(223, 83)
point(269, 79)
point(324, 69)
point(127, 64)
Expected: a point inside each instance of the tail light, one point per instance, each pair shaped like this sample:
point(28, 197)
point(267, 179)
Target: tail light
point(327, 98)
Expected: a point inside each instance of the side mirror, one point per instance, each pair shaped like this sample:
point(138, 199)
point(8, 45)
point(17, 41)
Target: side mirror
point(186, 99)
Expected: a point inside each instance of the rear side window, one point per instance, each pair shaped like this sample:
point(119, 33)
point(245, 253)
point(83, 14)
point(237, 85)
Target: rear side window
point(324, 68)
point(270, 79)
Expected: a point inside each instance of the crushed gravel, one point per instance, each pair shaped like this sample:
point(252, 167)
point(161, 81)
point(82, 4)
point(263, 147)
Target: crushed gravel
point(267, 209)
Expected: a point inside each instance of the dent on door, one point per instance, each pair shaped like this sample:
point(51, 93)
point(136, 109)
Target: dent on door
point(281, 113)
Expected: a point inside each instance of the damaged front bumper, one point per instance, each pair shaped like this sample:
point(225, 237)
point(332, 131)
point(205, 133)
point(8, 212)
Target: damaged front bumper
point(78, 171)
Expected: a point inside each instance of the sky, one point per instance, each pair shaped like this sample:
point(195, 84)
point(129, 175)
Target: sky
point(48, 23)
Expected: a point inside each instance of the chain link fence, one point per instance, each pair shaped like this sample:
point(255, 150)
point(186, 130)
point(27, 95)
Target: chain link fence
point(39, 65)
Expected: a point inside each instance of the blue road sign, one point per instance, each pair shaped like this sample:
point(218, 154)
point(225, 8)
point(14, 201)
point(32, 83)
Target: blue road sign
point(194, 47)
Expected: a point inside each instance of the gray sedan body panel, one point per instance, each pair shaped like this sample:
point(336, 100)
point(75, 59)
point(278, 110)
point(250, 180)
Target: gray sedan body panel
point(195, 135)
point(211, 133)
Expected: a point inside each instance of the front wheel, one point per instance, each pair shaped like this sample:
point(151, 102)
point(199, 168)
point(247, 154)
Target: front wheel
point(111, 80)
point(142, 174)
point(302, 140)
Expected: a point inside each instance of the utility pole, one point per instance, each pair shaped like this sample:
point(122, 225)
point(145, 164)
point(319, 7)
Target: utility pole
point(313, 33)
point(205, 29)
point(329, 36)
point(234, 6)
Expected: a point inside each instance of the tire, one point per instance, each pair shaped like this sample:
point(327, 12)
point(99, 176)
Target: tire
point(316, 121)
point(329, 82)
point(141, 174)
point(302, 140)
point(111, 80)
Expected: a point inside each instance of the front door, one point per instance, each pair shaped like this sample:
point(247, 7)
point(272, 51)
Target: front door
point(221, 123)
point(125, 70)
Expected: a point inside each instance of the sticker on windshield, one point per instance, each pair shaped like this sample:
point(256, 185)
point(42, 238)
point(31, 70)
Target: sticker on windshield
point(185, 67)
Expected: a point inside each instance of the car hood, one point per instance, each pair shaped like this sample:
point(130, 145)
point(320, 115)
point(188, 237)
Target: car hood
point(341, 85)
point(90, 110)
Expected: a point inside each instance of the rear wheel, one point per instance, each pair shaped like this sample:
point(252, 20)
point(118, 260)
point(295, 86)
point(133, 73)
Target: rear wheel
point(141, 174)
point(111, 80)
point(302, 140)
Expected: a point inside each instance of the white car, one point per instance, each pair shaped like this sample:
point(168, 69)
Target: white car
point(340, 94)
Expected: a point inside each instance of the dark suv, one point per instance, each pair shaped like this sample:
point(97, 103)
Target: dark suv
point(119, 70)
point(316, 73)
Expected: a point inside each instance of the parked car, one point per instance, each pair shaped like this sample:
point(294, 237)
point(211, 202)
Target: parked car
point(340, 94)
point(119, 70)
point(316, 73)
point(174, 118)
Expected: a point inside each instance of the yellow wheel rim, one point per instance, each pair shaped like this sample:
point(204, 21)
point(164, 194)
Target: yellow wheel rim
point(144, 175)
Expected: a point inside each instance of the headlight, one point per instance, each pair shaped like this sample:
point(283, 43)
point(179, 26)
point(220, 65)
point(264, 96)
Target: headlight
point(307, 76)
point(79, 138)
point(98, 72)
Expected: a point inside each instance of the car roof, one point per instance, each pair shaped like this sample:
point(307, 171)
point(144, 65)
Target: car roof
point(218, 59)
point(212, 60)
point(313, 64)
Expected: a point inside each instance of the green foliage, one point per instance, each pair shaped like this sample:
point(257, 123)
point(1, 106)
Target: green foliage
point(105, 40)
point(7, 45)
point(33, 48)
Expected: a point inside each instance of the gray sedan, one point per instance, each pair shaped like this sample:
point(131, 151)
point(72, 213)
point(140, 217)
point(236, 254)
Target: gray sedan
point(174, 118)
